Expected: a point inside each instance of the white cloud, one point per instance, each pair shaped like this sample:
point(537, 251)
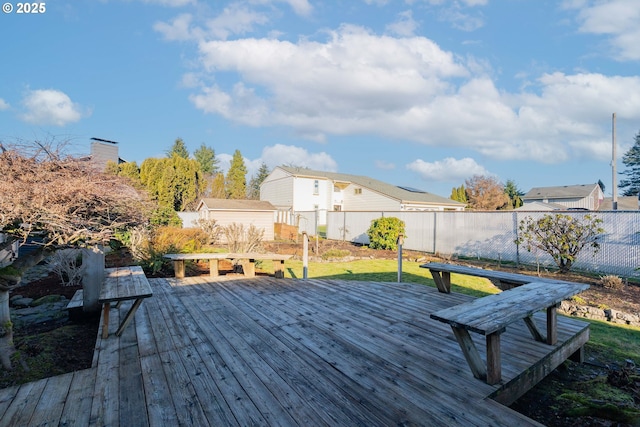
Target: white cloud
point(235, 19)
point(449, 169)
point(280, 154)
point(50, 107)
point(180, 28)
point(615, 18)
point(381, 164)
point(404, 26)
point(3, 105)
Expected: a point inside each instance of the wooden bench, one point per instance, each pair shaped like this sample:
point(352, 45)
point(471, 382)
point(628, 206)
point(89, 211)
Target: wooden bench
point(491, 315)
point(248, 267)
point(441, 274)
point(179, 259)
point(122, 284)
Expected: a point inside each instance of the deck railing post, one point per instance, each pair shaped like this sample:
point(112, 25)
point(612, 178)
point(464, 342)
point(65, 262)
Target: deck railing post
point(305, 254)
point(400, 243)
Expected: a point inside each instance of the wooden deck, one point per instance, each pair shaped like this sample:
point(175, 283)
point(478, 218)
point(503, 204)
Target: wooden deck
point(264, 351)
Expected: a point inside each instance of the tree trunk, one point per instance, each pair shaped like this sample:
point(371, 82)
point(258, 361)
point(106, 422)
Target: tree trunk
point(6, 331)
point(92, 278)
point(11, 277)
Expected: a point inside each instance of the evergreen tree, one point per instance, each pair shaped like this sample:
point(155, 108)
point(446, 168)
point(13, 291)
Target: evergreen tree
point(179, 148)
point(631, 160)
point(217, 187)
point(254, 183)
point(236, 179)
point(174, 182)
point(514, 193)
point(206, 156)
point(459, 194)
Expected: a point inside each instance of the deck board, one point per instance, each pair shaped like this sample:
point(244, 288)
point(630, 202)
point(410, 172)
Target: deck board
point(285, 352)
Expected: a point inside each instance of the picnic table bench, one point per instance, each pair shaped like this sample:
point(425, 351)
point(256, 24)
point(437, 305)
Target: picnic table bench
point(441, 274)
point(248, 267)
point(491, 315)
point(122, 284)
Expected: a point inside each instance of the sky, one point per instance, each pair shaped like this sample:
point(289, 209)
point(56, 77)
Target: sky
point(420, 93)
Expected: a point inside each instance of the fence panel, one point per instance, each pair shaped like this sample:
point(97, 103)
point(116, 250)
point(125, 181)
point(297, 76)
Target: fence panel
point(492, 235)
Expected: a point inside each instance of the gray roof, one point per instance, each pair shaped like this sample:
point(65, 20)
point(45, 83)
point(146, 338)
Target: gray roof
point(560, 192)
point(401, 194)
point(237, 205)
point(541, 206)
point(625, 203)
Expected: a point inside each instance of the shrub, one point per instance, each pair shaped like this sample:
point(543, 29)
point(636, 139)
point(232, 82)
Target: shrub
point(611, 282)
point(241, 240)
point(211, 228)
point(67, 264)
point(383, 233)
point(172, 239)
point(561, 236)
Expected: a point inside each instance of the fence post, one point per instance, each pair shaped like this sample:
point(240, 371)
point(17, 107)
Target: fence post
point(305, 254)
point(400, 243)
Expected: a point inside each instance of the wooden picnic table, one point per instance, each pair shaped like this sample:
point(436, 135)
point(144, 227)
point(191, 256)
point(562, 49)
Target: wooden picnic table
point(122, 284)
point(491, 315)
point(441, 274)
point(248, 266)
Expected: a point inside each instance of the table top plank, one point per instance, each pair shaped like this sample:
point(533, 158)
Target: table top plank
point(124, 283)
point(494, 312)
point(249, 255)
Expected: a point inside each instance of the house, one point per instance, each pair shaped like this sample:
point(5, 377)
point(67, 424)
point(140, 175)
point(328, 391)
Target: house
point(258, 213)
point(587, 196)
point(625, 203)
point(299, 189)
point(541, 206)
point(103, 151)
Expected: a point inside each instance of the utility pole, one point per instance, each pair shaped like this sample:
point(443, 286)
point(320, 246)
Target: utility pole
point(614, 199)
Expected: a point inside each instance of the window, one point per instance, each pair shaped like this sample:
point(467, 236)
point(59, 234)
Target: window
point(337, 208)
point(316, 187)
point(357, 191)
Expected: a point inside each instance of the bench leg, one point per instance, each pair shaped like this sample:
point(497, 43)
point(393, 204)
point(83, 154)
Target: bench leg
point(477, 365)
point(494, 362)
point(106, 308)
point(213, 267)
point(552, 325)
point(178, 268)
point(278, 269)
point(249, 268)
point(129, 316)
point(443, 281)
point(535, 332)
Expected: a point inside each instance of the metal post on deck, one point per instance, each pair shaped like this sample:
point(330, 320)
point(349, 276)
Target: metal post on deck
point(305, 254)
point(400, 243)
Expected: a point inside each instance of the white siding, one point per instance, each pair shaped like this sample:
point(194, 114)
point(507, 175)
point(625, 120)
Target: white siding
point(261, 220)
point(277, 188)
point(306, 196)
point(367, 200)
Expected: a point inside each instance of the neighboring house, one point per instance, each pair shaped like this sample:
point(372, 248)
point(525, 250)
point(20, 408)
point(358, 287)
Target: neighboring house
point(299, 189)
point(541, 206)
point(625, 203)
point(588, 196)
point(103, 151)
point(258, 213)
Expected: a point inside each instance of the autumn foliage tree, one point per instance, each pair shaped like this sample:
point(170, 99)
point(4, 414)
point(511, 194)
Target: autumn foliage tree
point(65, 201)
point(485, 193)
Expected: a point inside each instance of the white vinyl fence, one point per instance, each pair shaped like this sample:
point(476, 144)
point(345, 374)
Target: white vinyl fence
point(492, 235)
